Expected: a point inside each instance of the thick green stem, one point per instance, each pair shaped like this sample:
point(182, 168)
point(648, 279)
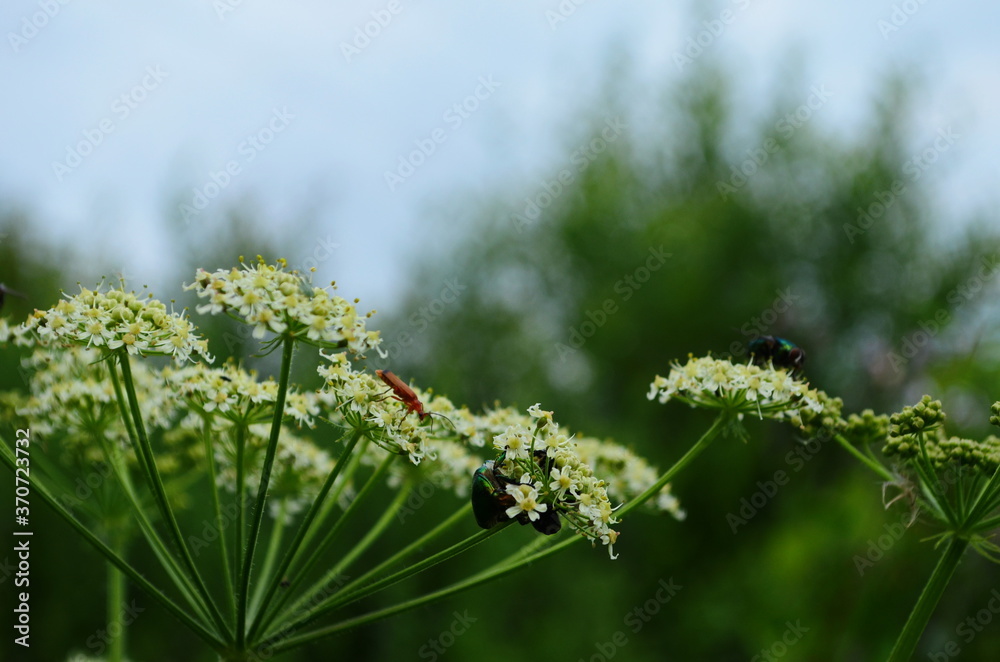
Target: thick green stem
point(460, 515)
point(471, 582)
point(116, 460)
point(262, 619)
point(115, 601)
point(293, 549)
point(693, 452)
point(219, 523)
point(277, 533)
point(884, 473)
point(342, 599)
point(373, 534)
point(921, 614)
point(241, 500)
point(160, 495)
point(265, 480)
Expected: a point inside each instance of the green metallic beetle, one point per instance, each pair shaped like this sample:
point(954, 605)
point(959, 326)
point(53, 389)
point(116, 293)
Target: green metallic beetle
point(490, 499)
point(780, 352)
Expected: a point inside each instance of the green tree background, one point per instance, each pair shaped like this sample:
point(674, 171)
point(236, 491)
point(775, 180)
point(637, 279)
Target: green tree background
point(781, 250)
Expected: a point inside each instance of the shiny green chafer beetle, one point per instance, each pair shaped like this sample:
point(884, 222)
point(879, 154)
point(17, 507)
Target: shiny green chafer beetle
point(489, 496)
point(490, 499)
point(780, 352)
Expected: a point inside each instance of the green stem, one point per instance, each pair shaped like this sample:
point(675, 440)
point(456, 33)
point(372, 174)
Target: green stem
point(373, 533)
point(461, 515)
point(277, 533)
point(471, 582)
point(115, 601)
point(160, 495)
point(985, 502)
point(333, 500)
point(262, 619)
point(219, 523)
point(693, 452)
point(265, 479)
point(341, 599)
point(293, 549)
point(116, 459)
point(884, 473)
point(921, 614)
point(114, 558)
point(241, 500)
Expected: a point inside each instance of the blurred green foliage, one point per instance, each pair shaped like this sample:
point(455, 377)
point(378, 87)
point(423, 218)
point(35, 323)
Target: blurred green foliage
point(571, 307)
point(783, 251)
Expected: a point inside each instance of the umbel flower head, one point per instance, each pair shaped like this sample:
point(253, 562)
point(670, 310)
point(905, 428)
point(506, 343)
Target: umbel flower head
point(117, 320)
point(237, 395)
point(72, 399)
point(542, 471)
point(736, 388)
point(959, 478)
point(363, 402)
point(283, 302)
point(917, 432)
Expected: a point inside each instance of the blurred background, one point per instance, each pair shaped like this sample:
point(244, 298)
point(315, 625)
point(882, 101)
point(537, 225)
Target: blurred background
point(494, 180)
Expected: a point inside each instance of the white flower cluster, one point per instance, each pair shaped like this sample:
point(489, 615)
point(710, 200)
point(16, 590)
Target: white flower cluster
point(282, 302)
point(544, 470)
point(238, 395)
point(72, 399)
point(366, 403)
point(736, 387)
point(116, 320)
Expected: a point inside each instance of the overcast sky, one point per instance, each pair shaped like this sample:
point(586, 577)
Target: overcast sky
point(112, 108)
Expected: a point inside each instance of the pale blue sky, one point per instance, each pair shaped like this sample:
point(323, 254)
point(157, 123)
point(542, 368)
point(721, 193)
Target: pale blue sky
point(198, 82)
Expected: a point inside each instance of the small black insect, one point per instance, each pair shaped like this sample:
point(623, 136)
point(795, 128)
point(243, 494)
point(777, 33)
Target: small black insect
point(780, 352)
